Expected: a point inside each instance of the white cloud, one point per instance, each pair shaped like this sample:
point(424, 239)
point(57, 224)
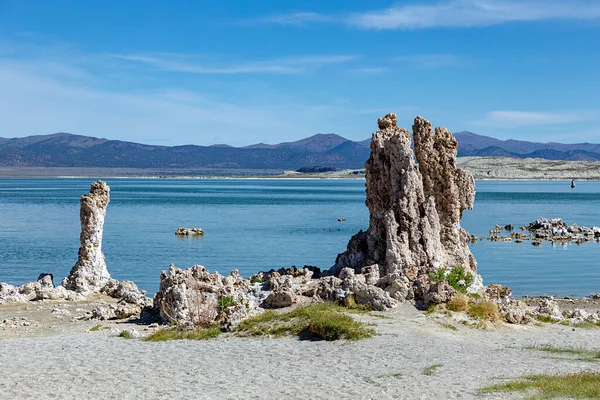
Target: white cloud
point(42, 97)
point(294, 18)
point(193, 64)
point(526, 118)
point(452, 13)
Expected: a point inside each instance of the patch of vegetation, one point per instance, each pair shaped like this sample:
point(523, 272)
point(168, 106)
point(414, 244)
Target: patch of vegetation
point(459, 303)
point(322, 321)
point(226, 301)
point(448, 326)
point(431, 309)
point(432, 369)
point(458, 277)
point(392, 375)
point(546, 319)
point(437, 275)
point(126, 335)
point(485, 311)
point(256, 279)
point(96, 328)
point(579, 353)
point(583, 385)
point(177, 334)
point(587, 325)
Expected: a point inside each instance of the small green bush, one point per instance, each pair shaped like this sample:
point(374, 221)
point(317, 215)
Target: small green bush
point(458, 274)
point(583, 385)
point(125, 334)
point(437, 275)
point(546, 318)
point(224, 302)
point(454, 277)
point(335, 326)
point(177, 334)
point(325, 321)
point(256, 279)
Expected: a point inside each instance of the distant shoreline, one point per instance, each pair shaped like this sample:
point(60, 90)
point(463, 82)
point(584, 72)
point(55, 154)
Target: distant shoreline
point(482, 168)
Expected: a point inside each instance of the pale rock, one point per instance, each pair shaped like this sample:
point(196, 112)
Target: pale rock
point(103, 313)
point(439, 292)
point(89, 275)
point(280, 299)
point(549, 307)
point(191, 297)
point(496, 291)
point(415, 210)
point(515, 312)
point(126, 291)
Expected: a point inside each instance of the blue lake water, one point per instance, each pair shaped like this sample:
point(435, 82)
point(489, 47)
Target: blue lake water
point(259, 224)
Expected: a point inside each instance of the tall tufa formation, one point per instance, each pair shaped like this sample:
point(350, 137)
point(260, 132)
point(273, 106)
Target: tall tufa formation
point(415, 210)
point(89, 273)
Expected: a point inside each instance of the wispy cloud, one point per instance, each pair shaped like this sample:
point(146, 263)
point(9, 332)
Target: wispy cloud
point(428, 61)
point(294, 18)
point(452, 14)
point(198, 65)
point(527, 118)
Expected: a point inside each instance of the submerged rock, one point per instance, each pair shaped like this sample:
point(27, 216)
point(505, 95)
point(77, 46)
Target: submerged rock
point(89, 274)
point(189, 232)
point(415, 211)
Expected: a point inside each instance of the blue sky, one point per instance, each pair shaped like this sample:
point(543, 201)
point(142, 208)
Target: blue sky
point(243, 72)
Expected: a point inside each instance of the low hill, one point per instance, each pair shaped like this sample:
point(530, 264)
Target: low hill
point(62, 150)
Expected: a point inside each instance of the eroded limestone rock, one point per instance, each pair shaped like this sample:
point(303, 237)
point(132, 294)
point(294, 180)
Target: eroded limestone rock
point(415, 211)
point(194, 297)
point(89, 274)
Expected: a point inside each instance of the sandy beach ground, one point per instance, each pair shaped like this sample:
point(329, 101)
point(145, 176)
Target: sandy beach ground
point(47, 353)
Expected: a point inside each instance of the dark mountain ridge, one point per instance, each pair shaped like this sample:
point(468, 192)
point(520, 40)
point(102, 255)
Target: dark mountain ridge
point(324, 150)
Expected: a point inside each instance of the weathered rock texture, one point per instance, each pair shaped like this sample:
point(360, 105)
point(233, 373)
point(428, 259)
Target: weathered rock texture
point(89, 273)
point(415, 211)
point(194, 297)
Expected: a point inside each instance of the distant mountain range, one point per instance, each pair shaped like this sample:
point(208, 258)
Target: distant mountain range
point(324, 150)
point(472, 144)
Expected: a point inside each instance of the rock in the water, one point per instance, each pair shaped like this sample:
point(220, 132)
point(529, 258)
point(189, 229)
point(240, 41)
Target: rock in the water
point(415, 211)
point(89, 274)
point(189, 232)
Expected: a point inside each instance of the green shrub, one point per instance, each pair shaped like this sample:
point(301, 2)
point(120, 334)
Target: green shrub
point(325, 321)
point(126, 335)
point(583, 385)
point(437, 275)
point(177, 334)
point(453, 277)
point(458, 274)
point(546, 318)
point(224, 302)
point(256, 279)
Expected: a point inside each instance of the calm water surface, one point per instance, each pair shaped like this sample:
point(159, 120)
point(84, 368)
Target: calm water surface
point(258, 224)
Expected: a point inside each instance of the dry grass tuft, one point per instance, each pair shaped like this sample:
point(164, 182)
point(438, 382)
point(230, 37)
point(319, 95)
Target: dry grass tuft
point(459, 303)
point(485, 311)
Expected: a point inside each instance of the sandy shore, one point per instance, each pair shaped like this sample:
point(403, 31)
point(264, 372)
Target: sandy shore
point(72, 362)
